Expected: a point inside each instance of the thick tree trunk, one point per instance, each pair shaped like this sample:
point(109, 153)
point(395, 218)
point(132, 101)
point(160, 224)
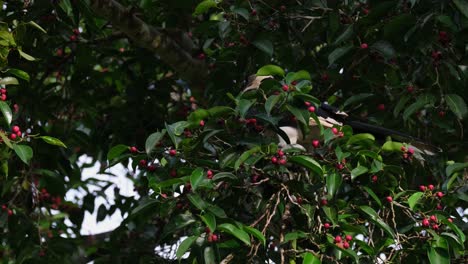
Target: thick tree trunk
point(146, 36)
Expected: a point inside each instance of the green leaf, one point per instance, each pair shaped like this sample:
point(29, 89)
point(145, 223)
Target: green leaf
point(358, 171)
point(6, 111)
point(395, 29)
point(236, 232)
point(338, 53)
point(210, 221)
point(19, 73)
point(9, 81)
point(349, 31)
point(153, 140)
point(457, 105)
point(243, 106)
point(196, 116)
point(370, 154)
point(101, 213)
point(264, 45)
point(334, 181)
point(376, 219)
point(373, 195)
point(400, 105)
point(270, 70)
point(438, 255)
point(168, 183)
point(392, 146)
point(185, 246)
point(462, 5)
point(245, 156)
point(145, 206)
point(420, 103)
point(217, 211)
point(25, 153)
point(330, 212)
point(26, 56)
point(414, 198)
point(384, 48)
point(294, 236)
point(197, 201)
point(453, 237)
point(360, 137)
point(457, 230)
point(357, 98)
point(307, 97)
point(5, 139)
point(220, 111)
point(196, 178)
point(53, 141)
point(116, 151)
point(271, 102)
point(204, 6)
point(307, 162)
point(175, 130)
point(455, 167)
point(301, 75)
point(242, 12)
point(177, 222)
point(34, 24)
point(256, 233)
point(222, 175)
point(209, 256)
point(309, 258)
point(301, 115)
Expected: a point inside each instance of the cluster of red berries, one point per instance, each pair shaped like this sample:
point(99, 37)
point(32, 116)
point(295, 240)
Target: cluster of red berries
point(3, 95)
point(343, 243)
point(323, 202)
point(430, 188)
point(211, 237)
point(444, 38)
point(187, 133)
point(310, 107)
point(407, 153)
point(410, 88)
point(209, 174)
point(172, 152)
point(254, 178)
point(279, 158)
point(252, 122)
point(341, 165)
point(381, 107)
point(244, 40)
point(432, 222)
point(436, 57)
point(133, 149)
point(8, 210)
point(15, 132)
point(76, 33)
point(336, 132)
point(45, 196)
point(315, 143)
point(144, 165)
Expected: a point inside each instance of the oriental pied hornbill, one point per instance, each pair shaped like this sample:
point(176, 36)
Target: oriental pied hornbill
point(330, 116)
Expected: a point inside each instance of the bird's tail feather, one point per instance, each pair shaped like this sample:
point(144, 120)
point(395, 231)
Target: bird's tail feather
point(385, 132)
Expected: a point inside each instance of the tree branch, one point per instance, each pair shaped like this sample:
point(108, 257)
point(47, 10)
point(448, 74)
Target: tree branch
point(148, 37)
